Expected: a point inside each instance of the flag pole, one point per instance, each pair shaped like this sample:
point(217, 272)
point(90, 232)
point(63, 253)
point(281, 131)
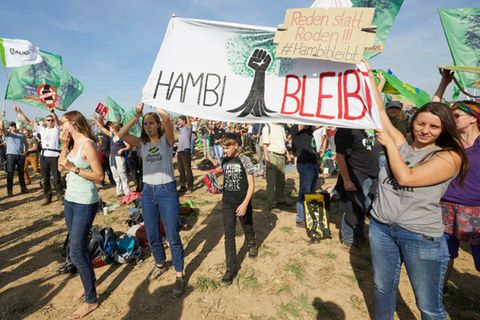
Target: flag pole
point(8, 80)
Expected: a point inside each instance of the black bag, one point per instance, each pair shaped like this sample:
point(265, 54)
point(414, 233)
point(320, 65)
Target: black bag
point(136, 217)
point(205, 165)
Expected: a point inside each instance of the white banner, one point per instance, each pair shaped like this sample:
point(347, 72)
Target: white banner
point(229, 72)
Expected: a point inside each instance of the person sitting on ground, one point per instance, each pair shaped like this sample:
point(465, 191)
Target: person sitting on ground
point(159, 195)
point(461, 203)
point(79, 156)
point(406, 225)
point(16, 150)
point(238, 188)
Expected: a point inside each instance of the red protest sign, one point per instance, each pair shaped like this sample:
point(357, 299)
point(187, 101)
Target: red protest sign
point(101, 109)
point(47, 95)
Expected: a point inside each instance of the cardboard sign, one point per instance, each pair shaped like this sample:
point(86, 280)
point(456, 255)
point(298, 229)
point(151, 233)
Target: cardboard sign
point(238, 78)
point(101, 109)
point(335, 34)
point(47, 95)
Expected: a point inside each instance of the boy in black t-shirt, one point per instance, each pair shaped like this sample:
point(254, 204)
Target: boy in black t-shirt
point(238, 187)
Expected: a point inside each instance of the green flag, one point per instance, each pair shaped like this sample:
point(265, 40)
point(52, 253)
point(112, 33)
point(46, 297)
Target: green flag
point(385, 13)
point(115, 111)
point(462, 30)
point(24, 81)
point(136, 129)
point(68, 90)
point(395, 86)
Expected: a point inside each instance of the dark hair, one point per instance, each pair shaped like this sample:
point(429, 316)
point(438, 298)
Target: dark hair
point(144, 137)
point(449, 139)
point(79, 122)
point(229, 139)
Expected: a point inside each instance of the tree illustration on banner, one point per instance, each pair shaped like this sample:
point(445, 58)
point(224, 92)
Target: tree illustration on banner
point(255, 102)
point(472, 34)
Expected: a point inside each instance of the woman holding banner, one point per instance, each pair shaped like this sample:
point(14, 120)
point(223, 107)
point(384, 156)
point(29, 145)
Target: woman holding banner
point(461, 203)
point(79, 156)
point(406, 225)
point(159, 195)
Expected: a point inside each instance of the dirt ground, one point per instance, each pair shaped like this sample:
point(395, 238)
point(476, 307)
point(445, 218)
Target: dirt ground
point(290, 279)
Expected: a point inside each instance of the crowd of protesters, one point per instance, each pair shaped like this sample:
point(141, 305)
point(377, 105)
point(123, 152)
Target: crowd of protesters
point(417, 180)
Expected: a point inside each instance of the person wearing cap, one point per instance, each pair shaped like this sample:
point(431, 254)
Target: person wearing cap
point(184, 154)
point(50, 135)
point(397, 117)
point(461, 202)
point(394, 111)
point(16, 150)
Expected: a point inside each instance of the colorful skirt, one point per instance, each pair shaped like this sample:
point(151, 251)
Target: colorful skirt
point(462, 221)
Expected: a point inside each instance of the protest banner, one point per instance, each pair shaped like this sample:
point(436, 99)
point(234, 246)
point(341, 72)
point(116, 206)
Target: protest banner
point(101, 109)
point(336, 34)
point(237, 77)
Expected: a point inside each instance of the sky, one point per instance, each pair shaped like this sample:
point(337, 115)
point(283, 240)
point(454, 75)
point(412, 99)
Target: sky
point(111, 45)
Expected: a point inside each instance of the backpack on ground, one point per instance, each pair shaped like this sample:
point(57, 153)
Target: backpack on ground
point(205, 165)
point(211, 182)
point(317, 207)
point(128, 250)
point(101, 249)
point(136, 217)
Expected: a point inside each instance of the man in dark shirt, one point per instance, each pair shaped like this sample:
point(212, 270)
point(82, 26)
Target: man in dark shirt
point(304, 149)
point(357, 159)
point(218, 133)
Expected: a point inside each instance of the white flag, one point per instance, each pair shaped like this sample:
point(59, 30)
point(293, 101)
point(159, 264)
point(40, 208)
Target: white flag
point(17, 53)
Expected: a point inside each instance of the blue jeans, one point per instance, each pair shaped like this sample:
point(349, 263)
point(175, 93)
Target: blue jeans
point(426, 260)
point(218, 153)
point(161, 202)
point(79, 219)
point(18, 161)
point(348, 232)
point(308, 176)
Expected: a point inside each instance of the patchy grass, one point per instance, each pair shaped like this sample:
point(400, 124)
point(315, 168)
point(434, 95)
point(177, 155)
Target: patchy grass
point(331, 255)
point(247, 280)
point(288, 230)
point(309, 252)
point(299, 307)
point(285, 288)
point(356, 302)
point(266, 251)
point(260, 317)
point(205, 283)
point(295, 269)
point(352, 279)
